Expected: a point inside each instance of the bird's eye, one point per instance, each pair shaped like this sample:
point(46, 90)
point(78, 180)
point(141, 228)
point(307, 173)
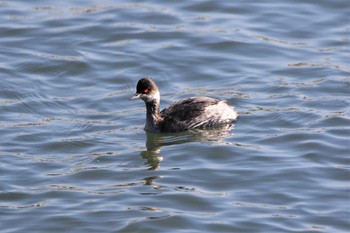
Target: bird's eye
point(146, 91)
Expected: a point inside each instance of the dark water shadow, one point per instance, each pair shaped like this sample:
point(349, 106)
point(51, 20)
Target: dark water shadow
point(155, 142)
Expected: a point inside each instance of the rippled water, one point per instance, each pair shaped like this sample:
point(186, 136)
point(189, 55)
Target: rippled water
point(74, 156)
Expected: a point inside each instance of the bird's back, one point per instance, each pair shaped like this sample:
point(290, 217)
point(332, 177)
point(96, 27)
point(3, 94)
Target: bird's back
point(196, 112)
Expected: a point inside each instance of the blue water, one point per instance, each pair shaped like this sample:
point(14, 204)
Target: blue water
point(73, 153)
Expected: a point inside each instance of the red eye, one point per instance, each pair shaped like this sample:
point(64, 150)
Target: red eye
point(146, 91)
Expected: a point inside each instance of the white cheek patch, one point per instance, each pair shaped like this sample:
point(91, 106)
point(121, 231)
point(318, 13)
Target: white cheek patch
point(151, 96)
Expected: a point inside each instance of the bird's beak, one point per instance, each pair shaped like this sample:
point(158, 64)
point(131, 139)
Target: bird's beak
point(136, 96)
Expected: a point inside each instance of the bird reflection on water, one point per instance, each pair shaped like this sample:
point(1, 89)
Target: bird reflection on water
point(155, 142)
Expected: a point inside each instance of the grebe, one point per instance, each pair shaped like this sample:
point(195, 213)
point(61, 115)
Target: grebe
point(187, 114)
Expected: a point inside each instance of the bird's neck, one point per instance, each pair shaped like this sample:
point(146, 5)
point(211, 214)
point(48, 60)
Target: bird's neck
point(153, 118)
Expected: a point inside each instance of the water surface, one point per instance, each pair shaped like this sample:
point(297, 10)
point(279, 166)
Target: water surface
point(73, 153)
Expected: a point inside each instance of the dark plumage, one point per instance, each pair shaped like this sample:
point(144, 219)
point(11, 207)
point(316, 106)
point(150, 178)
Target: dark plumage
point(191, 113)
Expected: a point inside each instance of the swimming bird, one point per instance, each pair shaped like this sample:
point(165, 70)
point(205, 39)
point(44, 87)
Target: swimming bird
point(191, 113)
